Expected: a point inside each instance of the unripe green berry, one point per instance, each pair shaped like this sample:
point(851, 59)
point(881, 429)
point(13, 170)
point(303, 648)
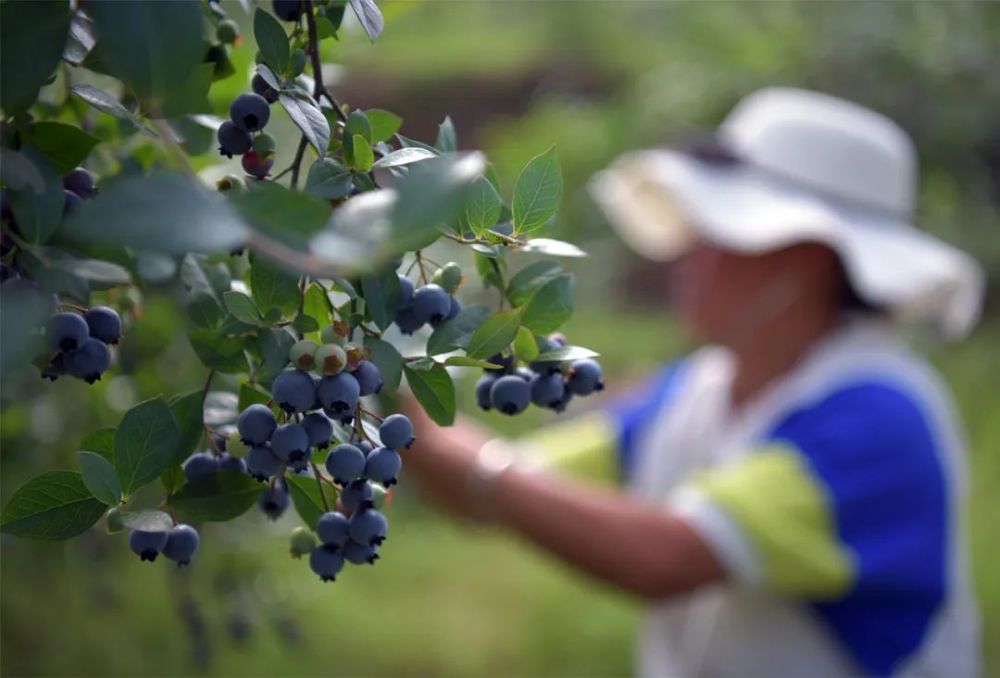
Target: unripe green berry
point(327, 336)
point(302, 542)
point(330, 359)
point(302, 354)
point(354, 355)
point(230, 182)
point(298, 62)
point(380, 495)
point(449, 277)
point(115, 521)
point(336, 333)
point(235, 446)
point(227, 31)
point(263, 143)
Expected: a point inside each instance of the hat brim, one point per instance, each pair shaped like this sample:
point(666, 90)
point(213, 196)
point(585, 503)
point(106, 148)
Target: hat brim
point(659, 200)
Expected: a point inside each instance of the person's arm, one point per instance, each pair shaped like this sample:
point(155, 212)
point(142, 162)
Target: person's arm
point(640, 548)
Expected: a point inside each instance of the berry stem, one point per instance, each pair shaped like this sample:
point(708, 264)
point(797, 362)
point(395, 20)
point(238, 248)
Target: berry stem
point(420, 264)
point(211, 442)
point(319, 90)
point(319, 485)
point(371, 414)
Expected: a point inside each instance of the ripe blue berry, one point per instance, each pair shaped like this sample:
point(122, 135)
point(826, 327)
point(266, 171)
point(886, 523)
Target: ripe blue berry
point(233, 140)
point(505, 362)
point(80, 181)
point(200, 464)
point(147, 545)
point(290, 442)
point(287, 10)
point(407, 320)
point(256, 424)
point(456, 308)
point(320, 429)
point(104, 323)
point(259, 86)
point(368, 376)
point(548, 390)
point(66, 332)
point(339, 393)
point(359, 554)
point(510, 394)
point(357, 495)
point(228, 462)
point(345, 464)
point(396, 432)
point(585, 377)
point(383, 466)
point(71, 201)
point(262, 463)
point(483, 387)
point(56, 367)
point(331, 528)
point(368, 527)
point(326, 561)
point(294, 391)
point(524, 373)
point(431, 304)
point(274, 500)
point(363, 445)
point(89, 361)
point(182, 542)
point(250, 112)
point(405, 291)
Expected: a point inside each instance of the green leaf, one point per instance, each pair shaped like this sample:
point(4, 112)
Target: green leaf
point(403, 156)
point(242, 307)
point(271, 41)
point(178, 216)
point(564, 353)
point(32, 36)
point(465, 361)
point(305, 324)
point(384, 124)
point(99, 477)
point(188, 411)
point(494, 335)
point(328, 179)
point(491, 268)
point(147, 521)
point(388, 360)
point(153, 47)
point(219, 496)
point(307, 116)
point(369, 16)
point(537, 193)
point(224, 354)
point(530, 279)
point(381, 297)
point(289, 216)
point(38, 212)
point(251, 394)
point(551, 306)
point(65, 146)
point(434, 390)
point(525, 346)
point(308, 501)
point(455, 333)
point(101, 441)
point(274, 346)
point(357, 125)
point(364, 158)
point(107, 103)
point(317, 305)
point(406, 142)
point(101, 274)
point(482, 206)
point(145, 442)
point(190, 95)
point(552, 248)
point(272, 288)
point(55, 505)
point(173, 479)
point(447, 141)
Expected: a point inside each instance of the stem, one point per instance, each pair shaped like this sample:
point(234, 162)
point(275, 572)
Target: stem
point(297, 162)
point(371, 414)
point(211, 442)
point(208, 385)
point(420, 263)
point(319, 90)
point(319, 486)
point(282, 172)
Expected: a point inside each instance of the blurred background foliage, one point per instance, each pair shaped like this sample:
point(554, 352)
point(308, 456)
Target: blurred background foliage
point(596, 79)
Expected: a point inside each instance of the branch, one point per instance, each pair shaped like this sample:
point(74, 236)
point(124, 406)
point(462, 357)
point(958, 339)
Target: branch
point(297, 162)
point(318, 89)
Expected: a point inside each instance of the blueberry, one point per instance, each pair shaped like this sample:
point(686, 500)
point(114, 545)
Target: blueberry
point(262, 463)
point(364, 446)
point(506, 364)
point(182, 542)
point(71, 201)
point(147, 545)
point(274, 500)
point(250, 112)
point(331, 528)
point(359, 554)
point(525, 374)
point(294, 391)
point(264, 144)
point(405, 291)
point(431, 304)
point(301, 542)
point(510, 394)
point(200, 464)
point(89, 361)
point(319, 428)
point(260, 86)
point(104, 323)
point(368, 527)
point(547, 390)
point(227, 31)
point(585, 377)
point(339, 393)
point(290, 442)
point(301, 354)
point(345, 464)
point(407, 320)
point(326, 561)
point(257, 165)
point(483, 387)
point(80, 181)
point(66, 332)
point(357, 495)
point(287, 10)
point(368, 376)
point(56, 367)
point(557, 339)
point(396, 432)
point(228, 462)
point(233, 140)
point(383, 466)
point(456, 308)
point(256, 424)
point(331, 358)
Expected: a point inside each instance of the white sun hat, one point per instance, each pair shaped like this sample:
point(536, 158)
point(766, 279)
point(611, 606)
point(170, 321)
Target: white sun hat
point(788, 166)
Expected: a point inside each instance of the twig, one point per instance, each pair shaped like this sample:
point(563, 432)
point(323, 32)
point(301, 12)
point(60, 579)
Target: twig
point(318, 88)
point(297, 162)
point(319, 486)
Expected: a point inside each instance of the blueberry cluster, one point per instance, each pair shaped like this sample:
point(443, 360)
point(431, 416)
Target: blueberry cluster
point(243, 133)
point(80, 343)
point(78, 186)
point(547, 384)
point(433, 303)
point(179, 543)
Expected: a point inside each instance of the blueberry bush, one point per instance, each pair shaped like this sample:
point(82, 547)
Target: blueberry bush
point(310, 285)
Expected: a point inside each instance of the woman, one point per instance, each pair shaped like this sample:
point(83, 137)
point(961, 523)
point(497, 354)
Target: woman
point(795, 488)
